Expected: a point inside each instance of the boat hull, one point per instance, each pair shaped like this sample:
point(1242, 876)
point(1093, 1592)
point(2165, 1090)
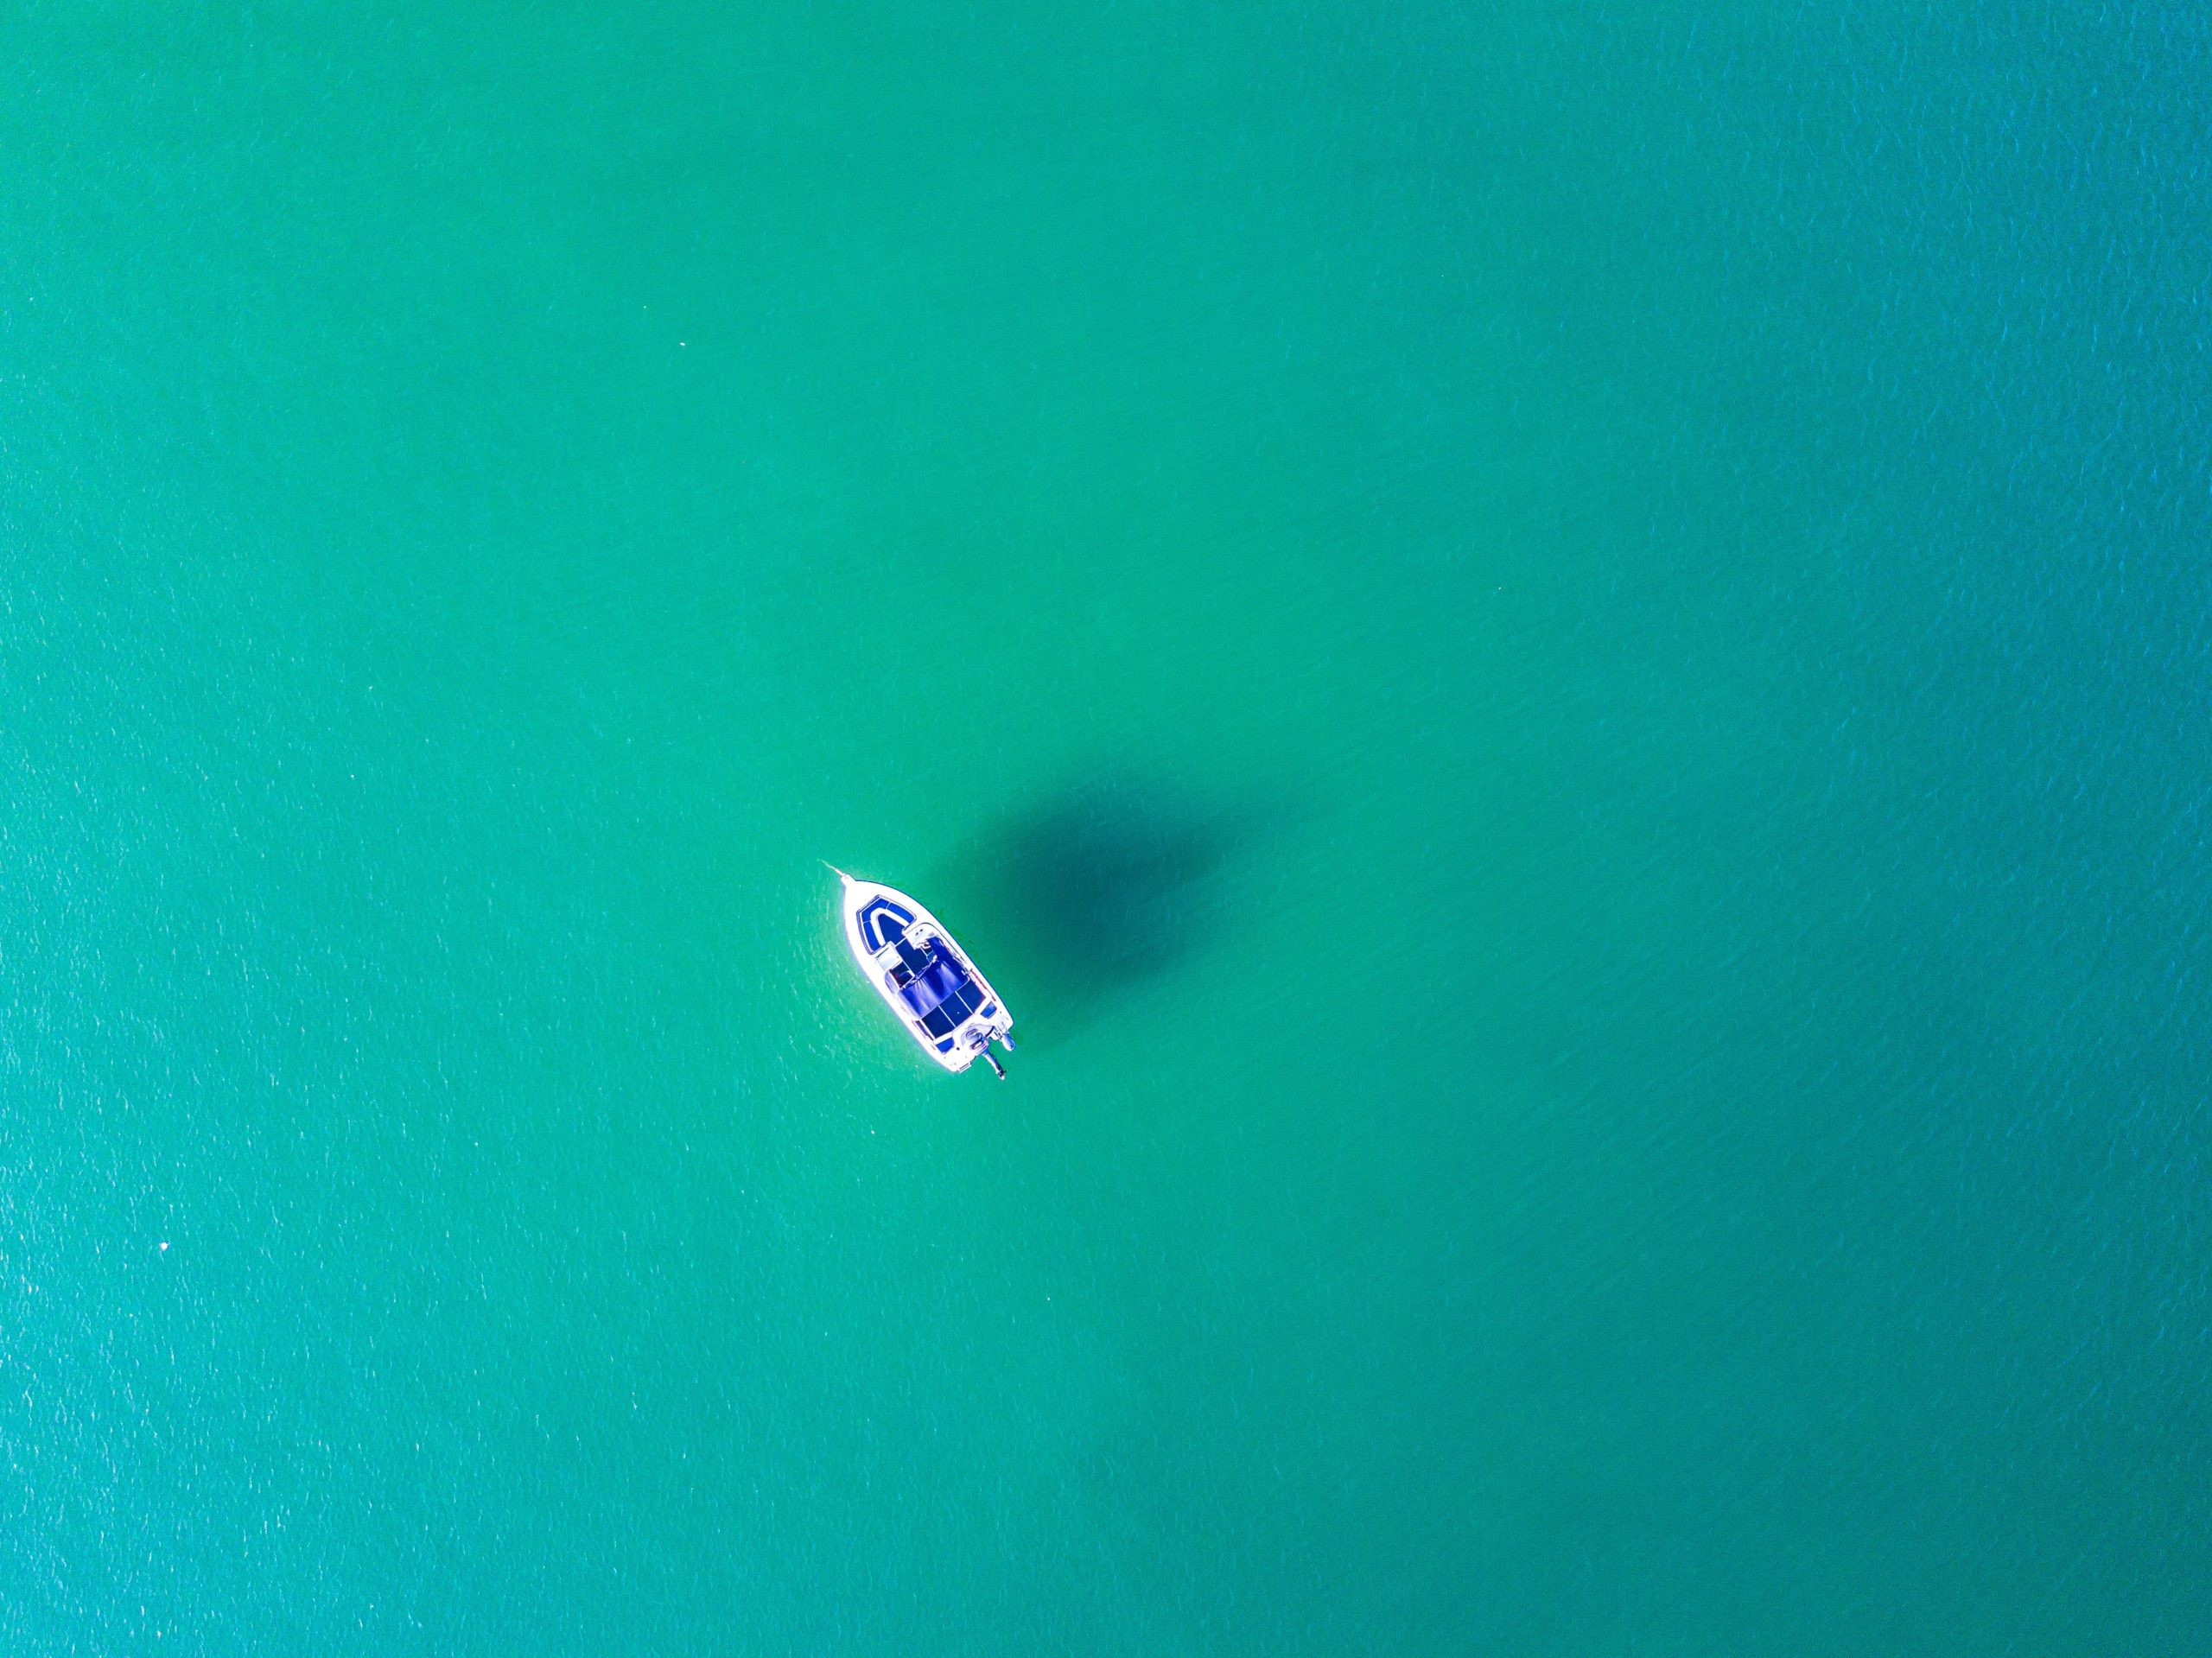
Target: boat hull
point(876, 917)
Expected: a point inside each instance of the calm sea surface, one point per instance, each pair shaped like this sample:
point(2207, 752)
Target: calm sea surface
point(1562, 655)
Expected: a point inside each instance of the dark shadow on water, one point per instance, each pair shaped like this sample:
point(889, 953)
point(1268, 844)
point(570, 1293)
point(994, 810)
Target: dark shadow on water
point(1090, 890)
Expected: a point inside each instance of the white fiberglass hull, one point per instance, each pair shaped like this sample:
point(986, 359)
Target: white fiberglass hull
point(877, 918)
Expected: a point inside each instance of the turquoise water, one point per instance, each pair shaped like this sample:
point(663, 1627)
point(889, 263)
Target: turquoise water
point(1560, 655)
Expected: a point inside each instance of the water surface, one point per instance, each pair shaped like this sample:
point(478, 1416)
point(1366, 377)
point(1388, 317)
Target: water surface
point(1558, 653)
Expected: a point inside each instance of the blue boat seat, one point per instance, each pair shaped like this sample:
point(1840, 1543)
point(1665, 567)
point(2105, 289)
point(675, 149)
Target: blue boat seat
point(937, 988)
point(938, 979)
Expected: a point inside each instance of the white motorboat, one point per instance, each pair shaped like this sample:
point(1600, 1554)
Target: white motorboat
point(925, 978)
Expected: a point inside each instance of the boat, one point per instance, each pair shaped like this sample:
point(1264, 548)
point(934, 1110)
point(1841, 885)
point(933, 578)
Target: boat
point(925, 978)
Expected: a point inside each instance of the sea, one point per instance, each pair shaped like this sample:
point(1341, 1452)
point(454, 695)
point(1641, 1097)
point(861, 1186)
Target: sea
point(1560, 654)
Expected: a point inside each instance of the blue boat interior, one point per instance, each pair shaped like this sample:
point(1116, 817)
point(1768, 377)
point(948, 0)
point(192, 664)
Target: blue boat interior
point(936, 987)
point(881, 921)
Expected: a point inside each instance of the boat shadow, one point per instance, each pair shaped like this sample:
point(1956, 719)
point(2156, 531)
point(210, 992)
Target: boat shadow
point(1088, 891)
